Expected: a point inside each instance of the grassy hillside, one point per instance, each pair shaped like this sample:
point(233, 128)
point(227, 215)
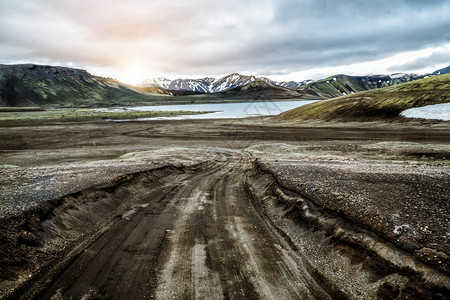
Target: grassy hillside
point(48, 86)
point(339, 85)
point(384, 103)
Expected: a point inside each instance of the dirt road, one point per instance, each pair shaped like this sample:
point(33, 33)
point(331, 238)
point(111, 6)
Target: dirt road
point(195, 236)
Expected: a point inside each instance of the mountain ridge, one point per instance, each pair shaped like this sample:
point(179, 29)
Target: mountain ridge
point(202, 85)
point(341, 84)
point(445, 70)
point(319, 89)
point(50, 86)
point(211, 85)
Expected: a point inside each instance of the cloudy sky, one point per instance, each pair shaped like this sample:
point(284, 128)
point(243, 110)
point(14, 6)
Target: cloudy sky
point(281, 39)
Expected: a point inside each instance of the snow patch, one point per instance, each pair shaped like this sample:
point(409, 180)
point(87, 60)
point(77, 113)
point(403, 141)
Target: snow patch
point(435, 112)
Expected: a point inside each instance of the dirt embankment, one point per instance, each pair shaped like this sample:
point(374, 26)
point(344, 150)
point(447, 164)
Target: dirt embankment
point(396, 204)
point(346, 251)
point(56, 231)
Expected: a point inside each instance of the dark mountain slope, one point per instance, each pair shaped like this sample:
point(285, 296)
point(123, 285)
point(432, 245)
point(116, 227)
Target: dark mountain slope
point(48, 86)
point(445, 70)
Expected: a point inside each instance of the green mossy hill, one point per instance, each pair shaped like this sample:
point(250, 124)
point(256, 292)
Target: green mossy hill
point(384, 103)
point(341, 85)
point(48, 86)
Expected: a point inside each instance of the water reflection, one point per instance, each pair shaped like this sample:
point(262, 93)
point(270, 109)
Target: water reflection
point(223, 110)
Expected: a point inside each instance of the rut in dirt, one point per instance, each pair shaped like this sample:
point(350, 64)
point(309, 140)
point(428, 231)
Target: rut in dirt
point(188, 235)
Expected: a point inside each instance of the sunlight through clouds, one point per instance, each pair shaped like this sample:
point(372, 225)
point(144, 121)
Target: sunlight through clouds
point(289, 39)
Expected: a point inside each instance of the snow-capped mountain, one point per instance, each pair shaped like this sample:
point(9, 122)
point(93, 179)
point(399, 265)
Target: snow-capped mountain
point(230, 81)
point(161, 82)
point(398, 78)
point(213, 85)
point(291, 84)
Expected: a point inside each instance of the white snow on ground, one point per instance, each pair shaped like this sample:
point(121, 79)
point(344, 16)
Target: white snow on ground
point(437, 112)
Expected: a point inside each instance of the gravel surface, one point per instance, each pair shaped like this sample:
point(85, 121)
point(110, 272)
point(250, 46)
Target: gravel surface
point(22, 188)
point(391, 179)
point(408, 202)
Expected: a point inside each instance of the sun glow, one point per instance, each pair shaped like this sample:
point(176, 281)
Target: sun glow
point(132, 75)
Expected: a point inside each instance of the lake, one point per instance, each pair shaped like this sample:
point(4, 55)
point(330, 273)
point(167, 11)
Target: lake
point(223, 110)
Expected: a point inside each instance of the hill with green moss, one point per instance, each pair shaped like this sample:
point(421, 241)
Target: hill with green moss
point(48, 86)
point(383, 103)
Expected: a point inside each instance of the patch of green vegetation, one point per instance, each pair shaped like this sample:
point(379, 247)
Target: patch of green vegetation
point(18, 109)
point(383, 103)
point(127, 155)
point(14, 118)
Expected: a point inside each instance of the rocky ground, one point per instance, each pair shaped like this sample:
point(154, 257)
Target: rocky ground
point(353, 210)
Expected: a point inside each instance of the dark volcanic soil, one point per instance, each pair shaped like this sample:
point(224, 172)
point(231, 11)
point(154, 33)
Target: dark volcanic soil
point(225, 209)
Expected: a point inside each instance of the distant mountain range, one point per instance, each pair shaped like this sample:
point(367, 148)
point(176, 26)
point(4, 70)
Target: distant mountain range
point(341, 85)
point(49, 86)
point(214, 85)
point(333, 86)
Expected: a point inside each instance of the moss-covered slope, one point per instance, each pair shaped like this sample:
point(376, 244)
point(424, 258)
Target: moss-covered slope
point(48, 86)
point(383, 103)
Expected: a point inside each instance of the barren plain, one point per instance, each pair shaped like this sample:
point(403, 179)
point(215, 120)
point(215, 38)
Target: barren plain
point(225, 209)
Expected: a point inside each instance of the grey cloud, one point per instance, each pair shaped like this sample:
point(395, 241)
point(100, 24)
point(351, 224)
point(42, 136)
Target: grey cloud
point(435, 59)
point(217, 37)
